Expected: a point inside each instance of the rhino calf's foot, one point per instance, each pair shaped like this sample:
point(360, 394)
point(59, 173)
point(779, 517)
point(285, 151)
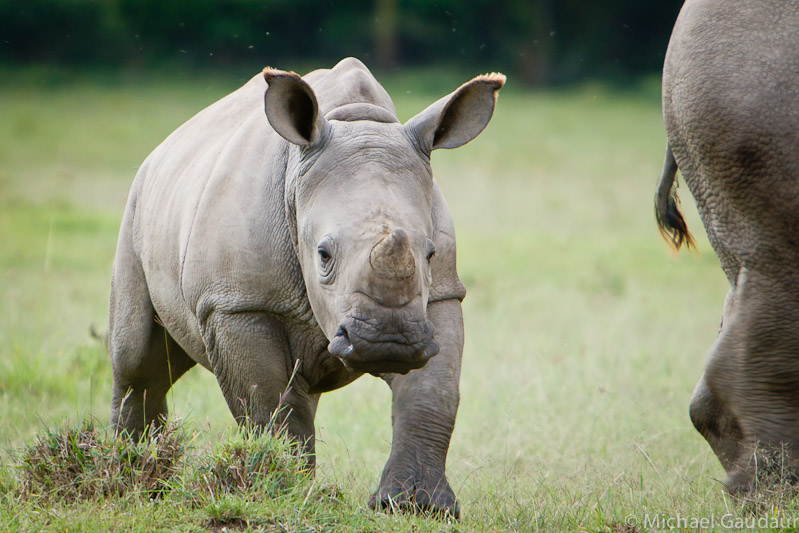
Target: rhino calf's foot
point(430, 495)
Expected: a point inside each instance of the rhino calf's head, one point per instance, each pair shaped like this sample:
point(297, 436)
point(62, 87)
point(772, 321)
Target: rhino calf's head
point(360, 187)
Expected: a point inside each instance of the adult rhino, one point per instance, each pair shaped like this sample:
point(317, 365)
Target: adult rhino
point(730, 94)
point(297, 219)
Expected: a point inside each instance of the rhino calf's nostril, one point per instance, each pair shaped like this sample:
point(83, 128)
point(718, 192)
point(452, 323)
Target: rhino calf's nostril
point(340, 346)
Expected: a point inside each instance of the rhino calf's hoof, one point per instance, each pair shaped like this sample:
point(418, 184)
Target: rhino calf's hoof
point(437, 501)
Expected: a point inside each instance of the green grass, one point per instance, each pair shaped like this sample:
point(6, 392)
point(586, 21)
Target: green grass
point(584, 334)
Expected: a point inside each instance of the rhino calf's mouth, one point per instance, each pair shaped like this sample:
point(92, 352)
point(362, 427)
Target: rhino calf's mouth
point(397, 353)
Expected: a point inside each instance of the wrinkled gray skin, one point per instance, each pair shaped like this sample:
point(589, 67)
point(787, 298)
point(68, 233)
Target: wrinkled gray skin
point(301, 222)
point(731, 106)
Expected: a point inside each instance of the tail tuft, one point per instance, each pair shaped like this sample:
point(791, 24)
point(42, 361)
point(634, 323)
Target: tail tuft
point(672, 226)
point(670, 220)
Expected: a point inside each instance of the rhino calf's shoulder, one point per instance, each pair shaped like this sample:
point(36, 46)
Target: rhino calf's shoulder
point(297, 219)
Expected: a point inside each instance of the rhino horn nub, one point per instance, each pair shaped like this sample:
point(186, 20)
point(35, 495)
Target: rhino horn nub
point(392, 256)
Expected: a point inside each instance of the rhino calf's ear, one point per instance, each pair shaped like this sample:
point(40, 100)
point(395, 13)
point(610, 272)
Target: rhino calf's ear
point(292, 109)
point(459, 117)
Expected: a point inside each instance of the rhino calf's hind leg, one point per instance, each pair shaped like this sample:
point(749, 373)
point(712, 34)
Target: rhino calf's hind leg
point(142, 379)
point(145, 360)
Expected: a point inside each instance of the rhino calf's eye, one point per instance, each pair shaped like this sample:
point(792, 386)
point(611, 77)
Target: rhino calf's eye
point(431, 250)
point(326, 252)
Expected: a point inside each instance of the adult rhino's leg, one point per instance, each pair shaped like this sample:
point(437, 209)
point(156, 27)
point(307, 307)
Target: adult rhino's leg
point(754, 371)
point(250, 357)
point(714, 421)
point(425, 402)
point(717, 424)
point(145, 360)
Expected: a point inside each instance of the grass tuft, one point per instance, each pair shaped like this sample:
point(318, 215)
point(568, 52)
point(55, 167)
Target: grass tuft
point(88, 463)
point(227, 513)
point(253, 462)
point(250, 479)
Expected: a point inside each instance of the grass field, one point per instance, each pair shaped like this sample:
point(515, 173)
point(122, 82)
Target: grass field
point(584, 333)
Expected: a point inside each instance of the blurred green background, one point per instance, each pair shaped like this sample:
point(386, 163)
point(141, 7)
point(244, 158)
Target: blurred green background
point(536, 41)
point(584, 334)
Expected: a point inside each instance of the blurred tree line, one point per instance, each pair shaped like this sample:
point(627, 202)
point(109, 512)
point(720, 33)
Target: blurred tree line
point(538, 41)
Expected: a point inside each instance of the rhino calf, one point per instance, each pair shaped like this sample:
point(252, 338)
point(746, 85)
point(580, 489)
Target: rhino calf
point(730, 94)
point(297, 219)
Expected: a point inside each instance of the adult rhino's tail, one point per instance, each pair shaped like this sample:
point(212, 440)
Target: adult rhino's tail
point(669, 218)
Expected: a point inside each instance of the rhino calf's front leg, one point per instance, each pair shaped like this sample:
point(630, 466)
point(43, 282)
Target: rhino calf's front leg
point(424, 405)
point(251, 360)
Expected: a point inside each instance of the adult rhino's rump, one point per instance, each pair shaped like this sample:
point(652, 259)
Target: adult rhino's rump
point(730, 93)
